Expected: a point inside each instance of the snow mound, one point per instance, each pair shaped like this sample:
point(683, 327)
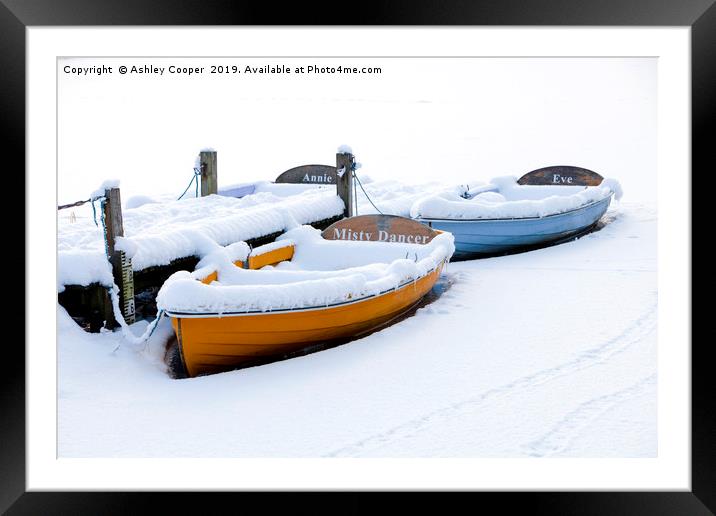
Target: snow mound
point(322, 272)
point(83, 268)
point(504, 198)
point(138, 200)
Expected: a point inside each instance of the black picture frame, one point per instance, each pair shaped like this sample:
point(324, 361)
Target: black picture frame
point(16, 15)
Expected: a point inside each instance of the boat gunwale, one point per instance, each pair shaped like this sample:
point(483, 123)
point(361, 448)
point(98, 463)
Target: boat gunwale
point(517, 219)
point(209, 315)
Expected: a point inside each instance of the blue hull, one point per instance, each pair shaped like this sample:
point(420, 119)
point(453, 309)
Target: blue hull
point(496, 236)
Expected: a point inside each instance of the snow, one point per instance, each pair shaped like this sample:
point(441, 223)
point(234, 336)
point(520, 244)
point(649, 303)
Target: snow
point(83, 267)
point(287, 189)
point(278, 189)
point(126, 245)
point(157, 233)
point(322, 272)
point(614, 186)
point(345, 149)
point(223, 255)
point(138, 200)
point(512, 200)
point(493, 197)
point(106, 185)
point(390, 196)
point(550, 353)
point(272, 246)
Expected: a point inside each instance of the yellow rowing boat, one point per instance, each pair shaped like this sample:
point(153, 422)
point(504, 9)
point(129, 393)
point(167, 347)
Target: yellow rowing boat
point(243, 318)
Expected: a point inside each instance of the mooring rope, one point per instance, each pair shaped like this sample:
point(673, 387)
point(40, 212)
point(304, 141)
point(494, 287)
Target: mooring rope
point(94, 212)
point(194, 179)
point(102, 202)
point(355, 194)
point(91, 200)
point(366, 193)
point(126, 332)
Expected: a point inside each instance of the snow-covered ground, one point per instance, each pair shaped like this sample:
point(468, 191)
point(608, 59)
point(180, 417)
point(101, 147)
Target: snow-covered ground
point(546, 353)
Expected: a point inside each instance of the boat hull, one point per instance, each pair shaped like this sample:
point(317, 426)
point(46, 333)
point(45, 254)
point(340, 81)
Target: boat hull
point(213, 344)
point(497, 236)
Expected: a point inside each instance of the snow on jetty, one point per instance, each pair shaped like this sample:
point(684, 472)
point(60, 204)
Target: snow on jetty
point(156, 233)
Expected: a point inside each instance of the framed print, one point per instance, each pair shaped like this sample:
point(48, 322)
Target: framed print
point(444, 251)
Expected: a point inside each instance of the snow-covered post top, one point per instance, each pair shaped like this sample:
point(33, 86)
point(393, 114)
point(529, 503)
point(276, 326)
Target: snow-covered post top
point(209, 182)
point(344, 176)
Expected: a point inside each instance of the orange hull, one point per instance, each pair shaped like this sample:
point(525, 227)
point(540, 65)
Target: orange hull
point(213, 344)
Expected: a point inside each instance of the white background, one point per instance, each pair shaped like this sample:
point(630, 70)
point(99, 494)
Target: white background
point(420, 119)
point(122, 136)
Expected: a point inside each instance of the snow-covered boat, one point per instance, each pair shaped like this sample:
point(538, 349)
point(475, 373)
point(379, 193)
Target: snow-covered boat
point(544, 206)
point(243, 307)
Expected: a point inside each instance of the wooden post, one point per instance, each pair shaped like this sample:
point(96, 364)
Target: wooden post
point(121, 263)
point(208, 173)
point(344, 182)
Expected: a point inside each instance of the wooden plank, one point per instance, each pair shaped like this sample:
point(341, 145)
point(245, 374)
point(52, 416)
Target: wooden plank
point(208, 173)
point(87, 305)
point(213, 276)
point(561, 175)
point(309, 175)
point(380, 228)
point(271, 257)
point(344, 181)
point(121, 263)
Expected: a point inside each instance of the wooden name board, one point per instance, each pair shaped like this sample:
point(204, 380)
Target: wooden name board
point(309, 175)
point(380, 228)
point(562, 175)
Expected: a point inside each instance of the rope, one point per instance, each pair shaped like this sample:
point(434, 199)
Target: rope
point(366, 193)
point(91, 200)
point(94, 213)
point(160, 314)
point(355, 194)
point(102, 202)
point(78, 203)
point(194, 179)
point(126, 332)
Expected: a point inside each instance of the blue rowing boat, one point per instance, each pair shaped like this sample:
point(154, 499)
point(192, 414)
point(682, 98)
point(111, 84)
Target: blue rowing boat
point(481, 220)
point(496, 236)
